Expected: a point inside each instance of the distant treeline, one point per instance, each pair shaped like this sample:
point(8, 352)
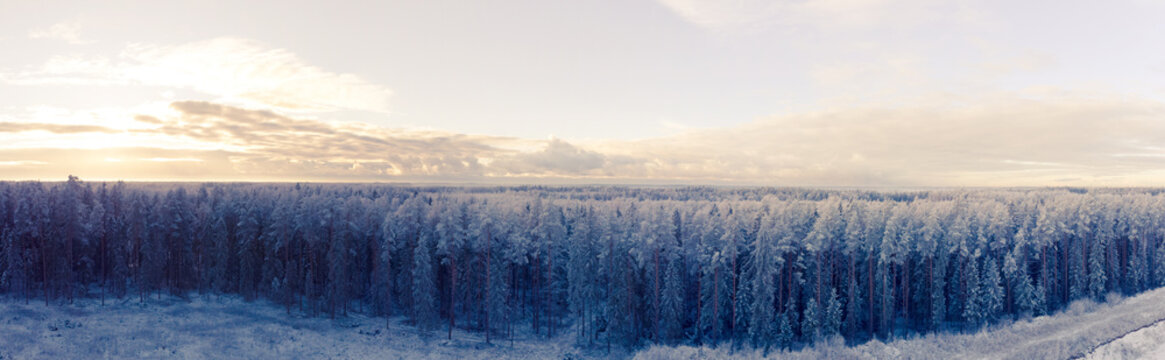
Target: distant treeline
point(765, 267)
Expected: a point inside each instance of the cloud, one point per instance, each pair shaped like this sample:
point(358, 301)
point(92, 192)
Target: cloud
point(13, 163)
point(723, 13)
point(232, 69)
point(1010, 139)
point(272, 143)
point(147, 119)
point(1007, 140)
point(12, 127)
point(714, 14)
point(557, 158)
point(66, 31)
point(115, 163)
point(165, 159)
point(70, 70)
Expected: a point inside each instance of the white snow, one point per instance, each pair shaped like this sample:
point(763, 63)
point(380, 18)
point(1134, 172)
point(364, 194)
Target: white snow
point(229, 328)
point(206, 327)
point(1147, 343)
point(1073, 332)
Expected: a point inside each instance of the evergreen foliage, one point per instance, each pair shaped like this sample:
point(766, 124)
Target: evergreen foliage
point(772, 268)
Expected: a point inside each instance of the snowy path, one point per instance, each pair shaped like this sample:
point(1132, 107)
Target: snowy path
point(1084, 326)
point(1145, 343)
point(1075, 332)
point(1072, 333)
point(229, 328)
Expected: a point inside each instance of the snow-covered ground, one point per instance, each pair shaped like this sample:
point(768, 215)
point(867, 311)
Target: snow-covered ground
point(1147, 343)
point(229, 328)
point(1072, 333)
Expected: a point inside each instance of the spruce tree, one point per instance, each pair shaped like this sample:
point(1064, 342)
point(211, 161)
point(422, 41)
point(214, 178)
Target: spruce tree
point(424, 303)
point(784, 337)
point(811, 327)
point(992, 290)
point(831, 322)
point(973, 312)
point(673, 299)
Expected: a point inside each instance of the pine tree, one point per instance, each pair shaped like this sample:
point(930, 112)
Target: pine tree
point(581, 273)
point(276, 268)
point(14, 277)
point(934, 252)
point(553, 235)
point(764, 263)
point(811, 327)
point(1097, 276)
point(786, 319)
point(889, 262)
point(177, 233)
point(248, 250)
point(498, 309)
point(388, 235)
point(338, 253)
point(219, 253)
point(763, 267)
point(938, 305)
point(715, 284)
point(152, 258)
point(992, 290)
point(973, 312)
point(424, 304)
point(1160, 261)
point(831, 321)
point(1020, 283)
point(1083, 235)
point(673, 299)
point(451, 234)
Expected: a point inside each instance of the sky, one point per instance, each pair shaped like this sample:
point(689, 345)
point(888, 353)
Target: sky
point(741, 92)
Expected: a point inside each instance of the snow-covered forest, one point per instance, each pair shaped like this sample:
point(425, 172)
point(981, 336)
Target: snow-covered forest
point(610, 266)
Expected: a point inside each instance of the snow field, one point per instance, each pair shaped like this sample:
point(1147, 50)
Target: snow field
point(215, 327)
point(227, 327)
point(1072, 333)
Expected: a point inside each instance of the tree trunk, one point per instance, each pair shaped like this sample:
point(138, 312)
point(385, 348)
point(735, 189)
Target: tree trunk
point(388, 287)
point(655, 334)
point(906, 289)
point(44, 264)
point(1084, 262)
point(735, 275)
point(817, 255)
point(870, 280)
point(716, 304)
point(486, 299)
point(699, 304)
point(1064, 281)
point(610, 286)
point(853, 289)
point(69, 262)
point(550, 300)
point(930, 284)
point(535, 276)
point(780, 298)
point(509, 315)
point(104, 281)
point(452, 293)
